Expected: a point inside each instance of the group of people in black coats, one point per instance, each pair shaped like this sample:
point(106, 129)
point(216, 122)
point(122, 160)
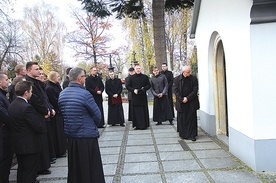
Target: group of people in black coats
point(31, 123)
point(161, 85)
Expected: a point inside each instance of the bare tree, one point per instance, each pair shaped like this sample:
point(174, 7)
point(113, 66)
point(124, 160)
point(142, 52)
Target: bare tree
point(45, 36)
point(89, 40)
point(10, 35)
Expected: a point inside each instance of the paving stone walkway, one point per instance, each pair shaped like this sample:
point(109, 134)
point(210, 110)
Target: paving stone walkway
point(158, 155)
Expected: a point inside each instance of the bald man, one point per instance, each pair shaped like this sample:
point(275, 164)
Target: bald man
point(186, 89)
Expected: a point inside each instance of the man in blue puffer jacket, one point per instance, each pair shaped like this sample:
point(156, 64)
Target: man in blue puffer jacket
point(81, 117)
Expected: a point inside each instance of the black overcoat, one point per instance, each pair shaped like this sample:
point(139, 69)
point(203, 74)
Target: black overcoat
point(170, 79)
point(113, 87)
point(140, 82)
point(192, 96)
point(93, 84)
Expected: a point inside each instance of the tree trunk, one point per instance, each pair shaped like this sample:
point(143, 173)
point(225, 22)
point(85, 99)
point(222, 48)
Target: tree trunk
point(158, 13)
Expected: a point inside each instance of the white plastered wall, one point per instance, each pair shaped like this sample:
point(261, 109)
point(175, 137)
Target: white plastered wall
point(231, 20)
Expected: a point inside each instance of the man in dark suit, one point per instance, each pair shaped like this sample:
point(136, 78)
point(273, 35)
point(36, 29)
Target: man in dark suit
point(27, 125)
point(6, 157)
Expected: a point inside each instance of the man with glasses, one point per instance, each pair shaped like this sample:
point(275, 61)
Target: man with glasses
point(186, 89)
point(95, 86)
point(81, 119)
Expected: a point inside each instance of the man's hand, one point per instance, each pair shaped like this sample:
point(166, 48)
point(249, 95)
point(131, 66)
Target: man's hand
point(136, 91)
point(115, 95)
point(160, 95)
point(185, 100)
point(53, 112)
point(99, 92)
point(48, 115)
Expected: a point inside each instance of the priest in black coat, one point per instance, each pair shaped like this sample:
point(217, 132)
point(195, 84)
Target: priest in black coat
point(129, 97)
point(138, 85)
point(169, 76)
point(159, 89)
point(53, 90)
point(186, 89)
point(95, 86)
point(39, 101)
point(113, 88)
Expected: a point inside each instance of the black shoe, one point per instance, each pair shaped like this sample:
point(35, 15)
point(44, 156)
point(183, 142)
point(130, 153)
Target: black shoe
point(52, 161)
point(171, 122)
point(193, 139)
point(44, 172)
point(158, 123)
point(62, 155)
point(113, 124)
point(122, 125)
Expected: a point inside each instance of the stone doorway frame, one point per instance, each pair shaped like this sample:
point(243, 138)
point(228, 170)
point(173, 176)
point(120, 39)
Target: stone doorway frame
point(220, 87)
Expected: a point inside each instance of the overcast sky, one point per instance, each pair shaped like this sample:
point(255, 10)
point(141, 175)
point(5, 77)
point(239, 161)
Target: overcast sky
point(63, 7)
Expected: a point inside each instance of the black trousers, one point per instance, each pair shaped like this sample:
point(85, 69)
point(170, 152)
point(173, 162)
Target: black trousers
point(5, 160)
point(27, 167)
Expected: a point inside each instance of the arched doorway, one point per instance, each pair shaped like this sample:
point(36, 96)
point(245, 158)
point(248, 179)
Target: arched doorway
point(220, 89)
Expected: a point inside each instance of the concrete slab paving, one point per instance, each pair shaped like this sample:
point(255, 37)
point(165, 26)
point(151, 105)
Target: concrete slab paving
point(141, 157)
point(180, 165)
point(141, 167)
point(156, 156)
point(110, 150)
point(215, 162)
point(140, 149)
point(233, 176)
point(107, 159)
point(140, 142)
point(203, 145)
point(211, 153)
point(165, 140)
point(154, 178)
point(187, 177)
point(170, 147)
point(178, 155)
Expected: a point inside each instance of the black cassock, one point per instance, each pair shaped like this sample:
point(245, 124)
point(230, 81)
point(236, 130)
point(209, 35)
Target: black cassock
point(115, 108)
point(94, 84)
point(169, 76)
point(186, 113)
point(140, 116)
point(57, 126)
point(161, 106)
point(81, 151)
point(129, 98)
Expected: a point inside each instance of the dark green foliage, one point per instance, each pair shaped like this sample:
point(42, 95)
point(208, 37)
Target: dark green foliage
point(172, 5)
point(130, 8)
point(97, 8)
